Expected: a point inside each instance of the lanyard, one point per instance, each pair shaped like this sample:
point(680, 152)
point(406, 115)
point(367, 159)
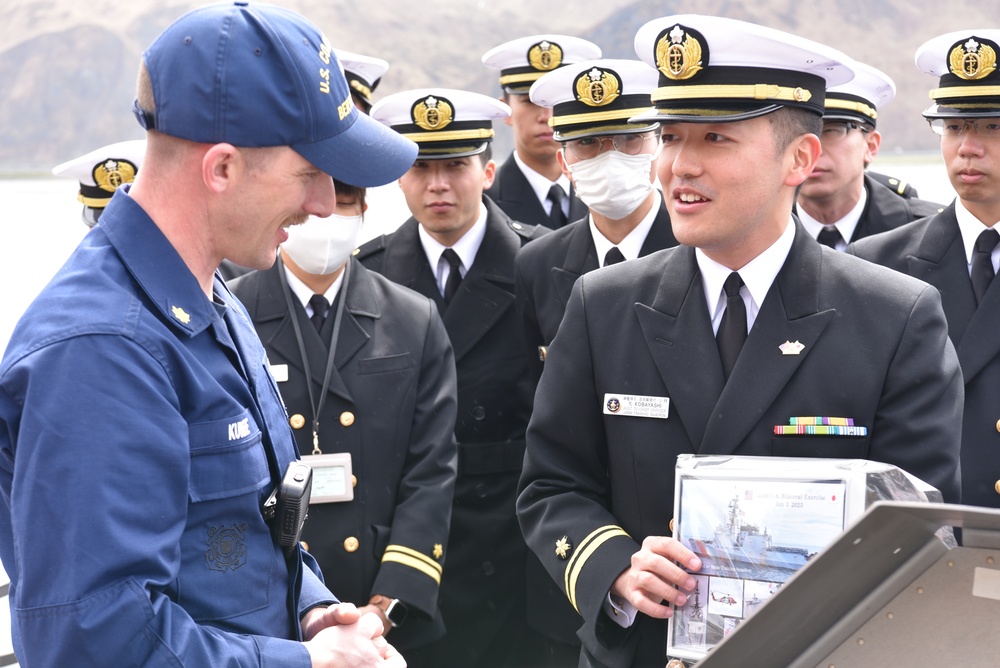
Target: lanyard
point(317, 409)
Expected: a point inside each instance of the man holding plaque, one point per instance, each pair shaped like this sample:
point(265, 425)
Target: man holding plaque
point(713, 347)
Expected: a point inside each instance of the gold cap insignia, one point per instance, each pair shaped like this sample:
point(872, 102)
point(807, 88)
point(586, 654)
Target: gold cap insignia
point(438, 551)
point(545, 56)
point(598, 87)
point(972, 60)
point(563, 547)
point(432, 113)
point(678, 54)
point(112, 173)
point(789, 348)
point(180, 314)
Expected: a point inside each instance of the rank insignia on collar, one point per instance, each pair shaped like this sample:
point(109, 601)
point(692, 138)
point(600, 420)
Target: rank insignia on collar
point(789, 348)
point(679, 53)
point(972, 60)
point(598, 87)
point(563, 547)
point(438, 551)
point(180, 314)
point(432, 113)
point(545, 56)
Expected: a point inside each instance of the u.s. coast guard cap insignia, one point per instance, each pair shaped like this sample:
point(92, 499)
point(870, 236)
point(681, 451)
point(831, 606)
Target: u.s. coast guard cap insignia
point(444, 122)
point(180, 314)
point(969, 83)
point(972, 59)
point(598, 87)
point(432, 113)
point(680, 52)
point(718, 70)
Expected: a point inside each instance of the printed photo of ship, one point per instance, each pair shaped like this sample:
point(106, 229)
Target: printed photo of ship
point(780, 536)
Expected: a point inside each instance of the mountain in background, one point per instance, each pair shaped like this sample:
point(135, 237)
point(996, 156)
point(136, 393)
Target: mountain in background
point(67, 68)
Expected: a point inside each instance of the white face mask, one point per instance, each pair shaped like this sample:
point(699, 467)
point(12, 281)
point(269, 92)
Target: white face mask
point(322, 245)
point(613, 184)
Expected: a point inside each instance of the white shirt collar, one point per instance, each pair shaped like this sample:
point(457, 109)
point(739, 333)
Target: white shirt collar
point(845, 225)
point(541, 185)
point(466, 248)
point(632, 243)
point(757, 275)
point(971, 227)
point(304, 293)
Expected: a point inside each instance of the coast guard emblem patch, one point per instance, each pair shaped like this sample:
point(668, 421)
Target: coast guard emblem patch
point(227, 549)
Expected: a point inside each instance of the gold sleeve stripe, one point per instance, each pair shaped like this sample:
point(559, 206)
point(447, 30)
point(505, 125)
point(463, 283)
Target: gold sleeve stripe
point(448, 136)
point(586, 549)
point(851, 105)
point(415, 564)
point(414, 554)
point(963, 91)
point(740, 91)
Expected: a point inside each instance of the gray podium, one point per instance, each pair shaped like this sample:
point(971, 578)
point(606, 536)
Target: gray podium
point(887, 593)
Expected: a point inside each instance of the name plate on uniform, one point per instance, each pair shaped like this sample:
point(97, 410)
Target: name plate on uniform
point(332, 479)
point(634, 405)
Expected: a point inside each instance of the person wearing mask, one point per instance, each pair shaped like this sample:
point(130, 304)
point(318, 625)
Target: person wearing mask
point(384, 402)
point(612, 165)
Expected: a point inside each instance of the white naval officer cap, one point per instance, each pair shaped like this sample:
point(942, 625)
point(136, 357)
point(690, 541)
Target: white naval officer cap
point(524, 60)
point(444, 122)
point(596, 97)
point(715, 69)
point(860, 98)
point(966, 62)
point(363, 74)
point(101, 172)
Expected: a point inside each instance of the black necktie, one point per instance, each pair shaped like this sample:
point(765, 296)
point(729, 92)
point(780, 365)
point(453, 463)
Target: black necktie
point(982, 262)
point(733, 329)
point(556, 216)
point(454, 276)
point(319, 306)
point(829, 236)
point(613, 256)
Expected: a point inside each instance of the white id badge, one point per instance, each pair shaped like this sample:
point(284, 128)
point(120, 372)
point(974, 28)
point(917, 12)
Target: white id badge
point(331, 482)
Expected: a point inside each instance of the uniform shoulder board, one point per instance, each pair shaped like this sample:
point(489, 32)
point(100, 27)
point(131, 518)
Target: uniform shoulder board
point(526, 230)
point(370, 247)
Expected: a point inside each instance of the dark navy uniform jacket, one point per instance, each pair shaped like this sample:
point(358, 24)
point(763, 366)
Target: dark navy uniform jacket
point(390, 404)
point(140, 434)
point(932, 250)
point(874, 348)
point(482, 593)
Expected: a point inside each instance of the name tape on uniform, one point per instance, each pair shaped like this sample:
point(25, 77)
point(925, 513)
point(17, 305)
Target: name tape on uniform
point(634, 405)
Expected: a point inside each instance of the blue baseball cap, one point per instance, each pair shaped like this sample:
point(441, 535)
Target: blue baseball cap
point(255, 75)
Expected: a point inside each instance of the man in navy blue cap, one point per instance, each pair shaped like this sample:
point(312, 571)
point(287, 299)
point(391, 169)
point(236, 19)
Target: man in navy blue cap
point(711, 347)
point(958, 250)
point(149, 473)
